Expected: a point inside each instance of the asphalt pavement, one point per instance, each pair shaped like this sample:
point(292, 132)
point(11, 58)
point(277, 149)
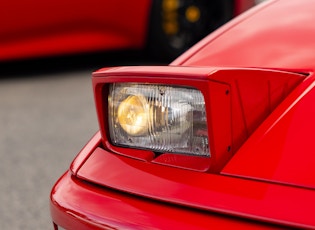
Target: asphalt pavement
point(47, 115)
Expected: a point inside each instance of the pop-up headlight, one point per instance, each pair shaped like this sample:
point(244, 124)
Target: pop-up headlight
point(188, 117)
point(160, 118)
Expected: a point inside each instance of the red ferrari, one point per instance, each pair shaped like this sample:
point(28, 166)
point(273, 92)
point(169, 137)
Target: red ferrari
point(33, 29)
point(222, 138)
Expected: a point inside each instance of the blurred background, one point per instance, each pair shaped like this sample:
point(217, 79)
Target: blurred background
point(47, 115)
point(48, 51)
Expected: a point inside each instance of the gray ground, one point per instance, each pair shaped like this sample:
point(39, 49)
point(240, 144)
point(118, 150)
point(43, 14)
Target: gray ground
point(45, 119)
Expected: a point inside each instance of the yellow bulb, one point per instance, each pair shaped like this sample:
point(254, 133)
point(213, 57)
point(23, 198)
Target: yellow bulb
point(133, 116)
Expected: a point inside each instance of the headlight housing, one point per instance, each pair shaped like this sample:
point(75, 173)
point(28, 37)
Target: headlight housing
point(194, 118)
point(160, 118)
point(174, 116)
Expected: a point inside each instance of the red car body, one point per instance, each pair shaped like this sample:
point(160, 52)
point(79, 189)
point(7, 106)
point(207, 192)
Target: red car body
point(36, 29)
point(256, 74)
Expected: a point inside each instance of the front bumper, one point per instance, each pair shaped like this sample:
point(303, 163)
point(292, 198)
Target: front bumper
point(87, 197)
point(76, 204)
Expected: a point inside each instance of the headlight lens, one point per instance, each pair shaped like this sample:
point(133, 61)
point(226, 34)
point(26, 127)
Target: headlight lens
point(159, 118)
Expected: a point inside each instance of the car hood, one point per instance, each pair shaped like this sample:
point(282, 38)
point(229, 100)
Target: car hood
point(275, 34)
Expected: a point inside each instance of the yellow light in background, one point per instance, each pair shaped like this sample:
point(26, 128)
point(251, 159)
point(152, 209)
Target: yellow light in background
point(170, 16)
point(192, 14)
point(170, 5)
point(170, 27)
point(133, 115)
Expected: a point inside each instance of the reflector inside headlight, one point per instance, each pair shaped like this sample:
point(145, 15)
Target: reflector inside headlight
point(159, 118)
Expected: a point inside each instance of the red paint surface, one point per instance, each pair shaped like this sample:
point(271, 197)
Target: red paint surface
point(267, 118)
point(34, 28)
point(41, 28)
point(77, 205)
point(278, 34)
